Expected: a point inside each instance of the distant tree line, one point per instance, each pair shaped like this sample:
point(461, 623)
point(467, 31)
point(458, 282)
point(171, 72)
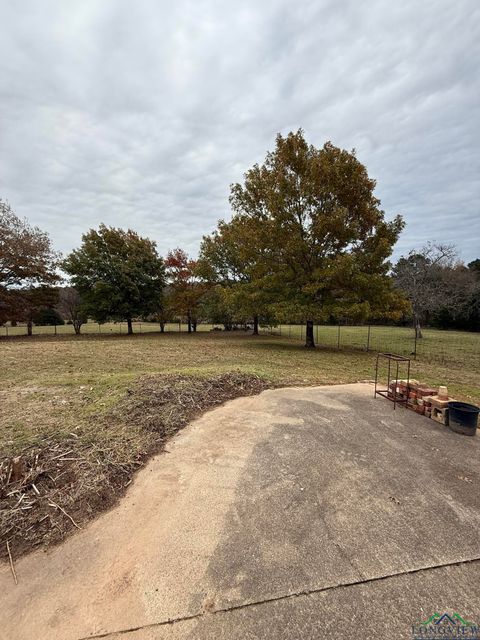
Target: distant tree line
point(307, 242)
point(442, 291)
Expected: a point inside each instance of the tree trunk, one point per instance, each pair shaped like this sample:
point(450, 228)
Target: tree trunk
point(129, 326)
point(194, 326)
point(162, 327)
point(309, 341)
point(418, 329)
point(77, 326)
point(29, 328)
point(255, 325)
point(189, 322)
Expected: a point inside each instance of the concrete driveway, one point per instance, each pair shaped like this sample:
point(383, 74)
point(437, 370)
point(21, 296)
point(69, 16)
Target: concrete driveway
point(299, 513)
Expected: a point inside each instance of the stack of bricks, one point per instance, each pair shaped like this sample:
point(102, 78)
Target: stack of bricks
point(422, 399)
point(401, 388)
point(420, 392)
point(438, 408)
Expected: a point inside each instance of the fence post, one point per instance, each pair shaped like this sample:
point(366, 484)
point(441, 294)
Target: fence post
point(55, 328)
point(368, 339)
point(338, 335)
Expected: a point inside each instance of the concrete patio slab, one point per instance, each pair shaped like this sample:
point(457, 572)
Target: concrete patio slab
point(386, 609)
point(271, 515)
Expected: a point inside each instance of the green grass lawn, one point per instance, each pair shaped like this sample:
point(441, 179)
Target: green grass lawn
point(444, 347)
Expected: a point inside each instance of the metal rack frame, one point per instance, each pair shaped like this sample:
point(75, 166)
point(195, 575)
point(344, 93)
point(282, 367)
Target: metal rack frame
point(397, 361)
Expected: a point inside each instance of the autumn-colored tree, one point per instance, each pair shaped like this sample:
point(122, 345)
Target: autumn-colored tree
point(27, 260)
point(229, 257)
point(117, 273)
point(184, 289)
point(320, 236)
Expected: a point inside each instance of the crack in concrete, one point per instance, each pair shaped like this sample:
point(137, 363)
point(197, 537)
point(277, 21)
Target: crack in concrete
point(286, 596)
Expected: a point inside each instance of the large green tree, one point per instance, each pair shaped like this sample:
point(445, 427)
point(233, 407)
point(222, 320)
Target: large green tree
point(321, 239)
point(117, 273)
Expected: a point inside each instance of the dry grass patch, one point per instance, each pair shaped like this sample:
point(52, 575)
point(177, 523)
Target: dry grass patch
point(58, 484)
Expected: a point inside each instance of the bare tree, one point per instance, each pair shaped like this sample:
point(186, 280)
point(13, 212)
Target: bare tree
point(70, 307)
point(432, 278)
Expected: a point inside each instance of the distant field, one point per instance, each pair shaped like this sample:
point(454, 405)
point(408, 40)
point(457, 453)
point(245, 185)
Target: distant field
point(447, 347)
point(458, 347)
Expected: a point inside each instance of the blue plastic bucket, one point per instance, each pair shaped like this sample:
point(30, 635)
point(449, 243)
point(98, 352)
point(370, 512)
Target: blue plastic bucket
point(463, 417)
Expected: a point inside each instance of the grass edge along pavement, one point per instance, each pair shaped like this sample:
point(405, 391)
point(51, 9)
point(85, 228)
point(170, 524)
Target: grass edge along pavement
point(58, 484)
point(80, 410)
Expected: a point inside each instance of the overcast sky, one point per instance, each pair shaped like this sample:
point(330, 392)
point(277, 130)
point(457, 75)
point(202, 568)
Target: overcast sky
point(141, 113)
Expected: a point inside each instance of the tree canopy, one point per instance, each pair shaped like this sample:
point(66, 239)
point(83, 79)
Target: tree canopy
point(27, 260)
point(185, 288)
point(117, 273)
point(230, 257)
point(26, 254)
point(309, 233)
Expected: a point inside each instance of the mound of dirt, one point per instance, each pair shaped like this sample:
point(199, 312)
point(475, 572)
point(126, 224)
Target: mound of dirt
point(54, 488)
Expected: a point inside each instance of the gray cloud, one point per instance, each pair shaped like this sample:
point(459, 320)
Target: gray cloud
point(142, 114)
